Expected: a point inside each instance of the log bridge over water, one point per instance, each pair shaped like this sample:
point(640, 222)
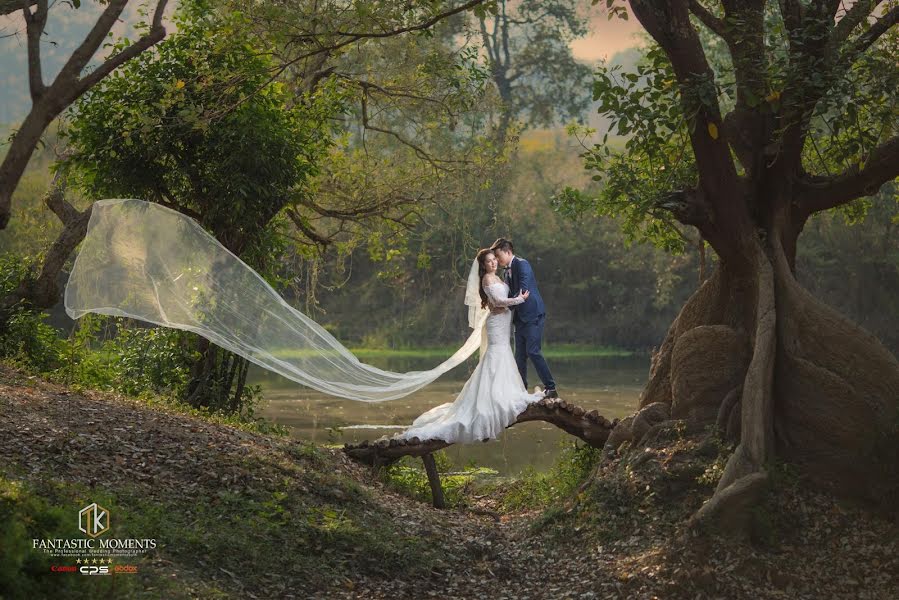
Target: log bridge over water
point(590, 426)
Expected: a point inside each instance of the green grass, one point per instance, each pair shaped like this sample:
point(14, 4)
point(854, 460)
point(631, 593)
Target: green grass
point(313, 525)
point(408, 476)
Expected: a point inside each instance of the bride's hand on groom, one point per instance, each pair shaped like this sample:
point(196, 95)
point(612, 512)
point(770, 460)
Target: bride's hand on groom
point(524, 294)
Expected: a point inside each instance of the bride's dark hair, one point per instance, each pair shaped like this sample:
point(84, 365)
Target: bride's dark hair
point(482, 270)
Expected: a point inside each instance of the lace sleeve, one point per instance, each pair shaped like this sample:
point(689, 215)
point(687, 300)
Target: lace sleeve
point(496, 298)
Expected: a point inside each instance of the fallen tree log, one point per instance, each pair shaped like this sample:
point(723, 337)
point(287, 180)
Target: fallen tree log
point(590, 426)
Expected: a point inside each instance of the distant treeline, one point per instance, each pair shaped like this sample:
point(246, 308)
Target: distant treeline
point(597, 289)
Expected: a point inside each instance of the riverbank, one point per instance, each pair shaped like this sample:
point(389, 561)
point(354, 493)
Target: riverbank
point(549, 351)
point(242, 514)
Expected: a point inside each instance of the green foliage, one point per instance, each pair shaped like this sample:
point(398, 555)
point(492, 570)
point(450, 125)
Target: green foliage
point(114, 354)
point(409, 477)
point(533, 489)
point(153, 359)
point(626, 296)
point(856, 113)
point(645, 108)
point(25, 336)
point(200, 124)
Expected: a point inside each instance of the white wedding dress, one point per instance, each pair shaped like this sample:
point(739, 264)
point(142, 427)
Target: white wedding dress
point(493, 396)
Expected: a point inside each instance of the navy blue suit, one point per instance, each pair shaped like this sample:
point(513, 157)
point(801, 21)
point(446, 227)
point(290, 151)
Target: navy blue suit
point(529, 318)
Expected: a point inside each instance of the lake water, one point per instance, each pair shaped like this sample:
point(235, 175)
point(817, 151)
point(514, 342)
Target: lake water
point(610, 385)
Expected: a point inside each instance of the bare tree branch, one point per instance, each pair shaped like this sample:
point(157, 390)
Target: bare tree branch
point(307, 229)
point(114, 62)
point(432, 21)
point(86, 50)
point(852, 19)
point(34, 24)
point(420, 152)
point(491, 55)
point(42, 291)
point(11, 6)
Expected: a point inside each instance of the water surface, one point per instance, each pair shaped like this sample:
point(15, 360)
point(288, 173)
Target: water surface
point(610, 385)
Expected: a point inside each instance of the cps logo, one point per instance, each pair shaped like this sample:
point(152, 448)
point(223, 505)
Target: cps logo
point(91, 570)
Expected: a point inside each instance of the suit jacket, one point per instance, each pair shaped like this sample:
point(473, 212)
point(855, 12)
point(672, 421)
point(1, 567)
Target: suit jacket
point(523, 278)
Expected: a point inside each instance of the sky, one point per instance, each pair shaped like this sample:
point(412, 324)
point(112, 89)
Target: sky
point(607, 37)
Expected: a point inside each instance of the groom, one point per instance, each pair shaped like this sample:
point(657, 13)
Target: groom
point(528, 317)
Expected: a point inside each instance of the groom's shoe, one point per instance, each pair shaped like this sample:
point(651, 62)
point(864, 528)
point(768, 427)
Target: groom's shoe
point(550, 394)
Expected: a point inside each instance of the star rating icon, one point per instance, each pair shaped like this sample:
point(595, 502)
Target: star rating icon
point(88, 561)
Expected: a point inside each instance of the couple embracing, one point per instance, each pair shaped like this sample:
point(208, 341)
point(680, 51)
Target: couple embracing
point(496, 393)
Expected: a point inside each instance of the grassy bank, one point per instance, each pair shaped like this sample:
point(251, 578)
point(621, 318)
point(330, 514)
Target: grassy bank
point(234, 512)
point(238, 513)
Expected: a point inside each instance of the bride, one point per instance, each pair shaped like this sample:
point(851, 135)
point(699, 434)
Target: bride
point(145, 261)
point(494, 395)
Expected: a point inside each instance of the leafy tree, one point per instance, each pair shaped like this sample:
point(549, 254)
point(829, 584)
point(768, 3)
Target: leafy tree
point(416, 97)
point(786, 110)
point(48, 101)
point(530, 61)
point(199, 127)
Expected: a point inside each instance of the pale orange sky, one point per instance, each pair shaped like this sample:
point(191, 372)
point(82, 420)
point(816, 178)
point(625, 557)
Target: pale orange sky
point(606, 37)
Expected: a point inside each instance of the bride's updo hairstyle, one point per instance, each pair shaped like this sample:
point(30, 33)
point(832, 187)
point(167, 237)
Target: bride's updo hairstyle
point(482, 270)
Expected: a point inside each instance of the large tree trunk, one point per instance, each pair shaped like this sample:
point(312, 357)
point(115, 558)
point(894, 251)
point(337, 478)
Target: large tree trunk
point(43, 291)
point(20, 150)
point(787, 376)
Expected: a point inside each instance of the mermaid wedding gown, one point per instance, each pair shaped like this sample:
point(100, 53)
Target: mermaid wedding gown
point(493, 396)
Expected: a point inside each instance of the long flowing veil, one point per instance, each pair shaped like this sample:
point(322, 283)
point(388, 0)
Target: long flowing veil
point(148, 262)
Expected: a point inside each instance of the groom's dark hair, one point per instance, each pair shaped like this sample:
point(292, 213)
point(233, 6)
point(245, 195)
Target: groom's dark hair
point(502, 244)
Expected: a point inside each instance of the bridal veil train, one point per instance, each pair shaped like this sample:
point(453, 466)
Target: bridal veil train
point(149, 262)
point(152, 263)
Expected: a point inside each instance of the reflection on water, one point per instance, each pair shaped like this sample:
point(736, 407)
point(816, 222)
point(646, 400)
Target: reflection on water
point(611, 385)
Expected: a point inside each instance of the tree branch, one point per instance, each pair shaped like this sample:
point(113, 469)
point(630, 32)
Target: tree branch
point(307, 229)
point(791, 13)
point(590, 426)
point(421, 153)
point(689, 207)
point(84, 52)
point(433, 20)
point(809, 27)
point(822, 193)
point(506, 37)
point(34, 25)
point(864, 41)
point(11, 6)
point(486, 39)
point(42, 291)
point(708, 19)
point(669, 24)
point(157, 32)
point(852, 19)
